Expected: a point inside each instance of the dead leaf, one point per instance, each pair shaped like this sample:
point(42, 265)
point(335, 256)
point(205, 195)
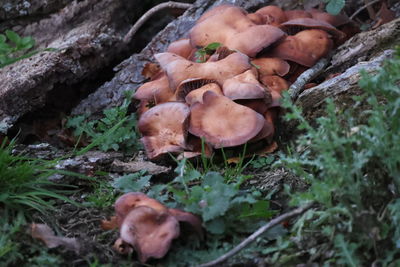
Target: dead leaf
point(44, 233)
point(384, 15)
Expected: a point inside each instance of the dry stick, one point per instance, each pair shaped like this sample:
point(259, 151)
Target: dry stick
point(150, 13)
point(362, 8)
point(297, 87)
point(257, 233)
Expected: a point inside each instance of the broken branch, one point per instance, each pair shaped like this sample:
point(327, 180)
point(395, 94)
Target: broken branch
point(362, 8)
point(151, 12)
point(297, 87)
point(257, 233)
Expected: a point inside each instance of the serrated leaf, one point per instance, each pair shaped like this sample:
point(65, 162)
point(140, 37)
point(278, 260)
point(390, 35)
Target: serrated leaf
point(335, 6)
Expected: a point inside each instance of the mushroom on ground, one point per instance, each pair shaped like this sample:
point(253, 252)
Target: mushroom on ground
point(245, 86)
point(182, 48)
point(304, 48)
point(179, 69)
point(233, 28)
point(149, 232)
point(271, 66)
point(164, 128)
point(222, 122)
point(197, 94)
point(272, 15)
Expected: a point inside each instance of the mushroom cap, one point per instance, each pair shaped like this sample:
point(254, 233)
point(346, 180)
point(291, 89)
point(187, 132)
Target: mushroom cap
point(215, 11)
point(197, 94)
point(275, 83)
point(244, 86)
point(254, 39)
point(271, 66)
point(273, 15)
point(188, 85)
point(164, 128)
point(222, 122)
point(304, 48)
point(217, 26)
point(266, 132)
point(258, 105)
point(179, 69)
point(189, 218)
point(157, 90)
point(149, 231)
point(334, 20)
point(182, 48)
point(129, 201)
point(256, 18)
point(297, 14)
point(296, 25)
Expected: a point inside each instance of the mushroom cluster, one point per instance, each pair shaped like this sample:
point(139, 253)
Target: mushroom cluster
point(147, 226)
point(231, 98)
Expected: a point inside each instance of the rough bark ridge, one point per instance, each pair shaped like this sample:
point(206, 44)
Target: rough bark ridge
point(87, 35)
point(129, 75)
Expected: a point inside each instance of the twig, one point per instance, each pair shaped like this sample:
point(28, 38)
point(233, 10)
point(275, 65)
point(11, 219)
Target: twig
point(257, 233)
point(297, 87)
point(150, 13)
point(362, 8)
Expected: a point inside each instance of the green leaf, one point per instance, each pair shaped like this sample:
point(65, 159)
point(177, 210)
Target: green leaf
point(335, 6)
point(135, 182)
point(3, 38)
point(13, 36)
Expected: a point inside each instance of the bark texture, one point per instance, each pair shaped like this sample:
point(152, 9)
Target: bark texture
point(87, 35)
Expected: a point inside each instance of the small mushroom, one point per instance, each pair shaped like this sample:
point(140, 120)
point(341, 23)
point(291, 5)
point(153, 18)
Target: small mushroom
point(197, 95)
point(157, 90)
point(256, 18)
point(304, 48)
point(222, 122)
point(271, 66)
point(276, 85)
point(296, 25)
point(179, 69)
point(272, 15)
point(182, 48)
point(188, 85)
point(149, 232)
point(129, 201)
point(164, 128)
point(245, 86)
point(258, 105)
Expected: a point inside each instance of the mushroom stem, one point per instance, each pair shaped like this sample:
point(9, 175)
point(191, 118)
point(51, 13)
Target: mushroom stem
point(151, 12)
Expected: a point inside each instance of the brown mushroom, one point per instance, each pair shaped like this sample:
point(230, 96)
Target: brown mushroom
point(222, 122)
point(129, 201)
point(297, 14)
point(182, 48)
point(334, 20)
point(188, 85)
point(276, 85)
point(149, 232)
point(258, 105)
point(271, 66)
point(256, 18)
point(235, 30)
point(245, 86)
point(296, 25)
point(304, 48)
point(157, 90)
point(197, 95)
point(179, 69)
point(272, 15)
point(161, 133)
